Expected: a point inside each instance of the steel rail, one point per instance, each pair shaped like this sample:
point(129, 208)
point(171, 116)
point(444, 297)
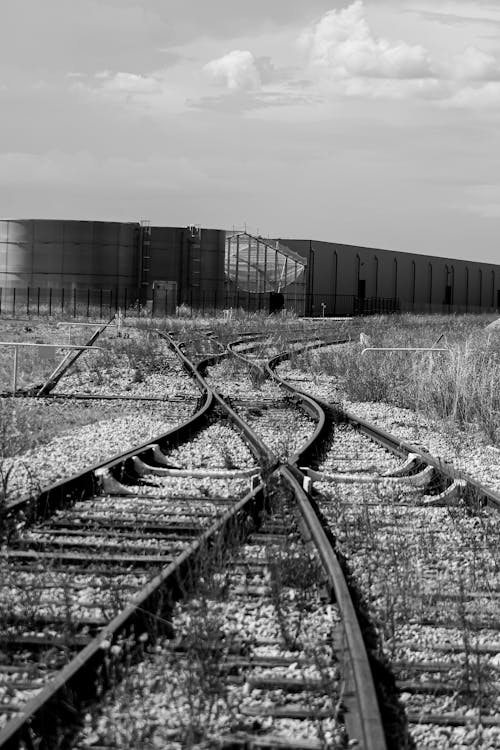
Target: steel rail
point(84, 483)
point(260, 450)
point(68, 361)
point(364, 720)
point(76, 683)
point(475, 491)
point(365, 723)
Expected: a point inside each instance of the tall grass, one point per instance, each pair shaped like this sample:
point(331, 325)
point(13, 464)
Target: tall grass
point(461, 385)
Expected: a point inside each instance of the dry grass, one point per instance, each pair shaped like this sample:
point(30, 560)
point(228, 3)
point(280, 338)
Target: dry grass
point(462, 386)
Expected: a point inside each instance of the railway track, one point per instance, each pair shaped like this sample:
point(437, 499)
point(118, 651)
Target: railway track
point(419, 539)
point(139, 529)
point(391, 511)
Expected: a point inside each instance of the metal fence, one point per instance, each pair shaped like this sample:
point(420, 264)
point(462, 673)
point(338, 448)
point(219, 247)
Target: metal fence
point(103, 303)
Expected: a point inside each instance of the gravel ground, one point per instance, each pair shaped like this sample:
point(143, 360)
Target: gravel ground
point(466, 450)
point(71, 435)
point(180, 695)
point(284, 429)
point(83, 446)
point(431, 579)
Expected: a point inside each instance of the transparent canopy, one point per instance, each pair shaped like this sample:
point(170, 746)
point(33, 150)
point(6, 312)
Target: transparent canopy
point(258, 265)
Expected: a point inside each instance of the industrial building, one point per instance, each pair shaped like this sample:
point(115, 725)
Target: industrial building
point(62, 263)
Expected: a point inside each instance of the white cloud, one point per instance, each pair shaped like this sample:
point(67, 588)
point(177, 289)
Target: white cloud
point(237, 70)
point(129, 82)
point(342, 44)
point(475, 65)
point(482, 97)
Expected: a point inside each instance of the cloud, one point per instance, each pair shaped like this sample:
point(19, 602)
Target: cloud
point(129, 82)
point(342, 45)
point(454, 12)
point(475, 65)
point(485, 96)
point(238, 71)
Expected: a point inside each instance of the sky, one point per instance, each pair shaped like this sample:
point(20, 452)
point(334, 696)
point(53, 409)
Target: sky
point(372, 122)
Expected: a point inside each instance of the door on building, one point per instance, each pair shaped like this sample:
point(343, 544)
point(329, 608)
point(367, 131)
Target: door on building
point(448, 295)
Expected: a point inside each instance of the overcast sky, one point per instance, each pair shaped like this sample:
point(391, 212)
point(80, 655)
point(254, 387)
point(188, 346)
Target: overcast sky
point(373, 123)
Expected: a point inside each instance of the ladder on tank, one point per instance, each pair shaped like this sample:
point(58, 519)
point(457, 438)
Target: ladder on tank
point(195, 258)
point(144, 256)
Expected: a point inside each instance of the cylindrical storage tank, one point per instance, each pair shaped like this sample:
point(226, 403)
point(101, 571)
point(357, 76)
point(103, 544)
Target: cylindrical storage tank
point(68, 254)
point(166, 255)
point(211, 267)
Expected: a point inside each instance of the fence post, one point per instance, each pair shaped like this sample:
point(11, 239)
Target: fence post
point(74, 302)
point(88, 303)
point(1, 290)
point(125, 303)
point(14, 303)
point(100, 303)
point(62, 300)
point(28, 301)
point(38, 302)
point(110, 302)
point(50, 301)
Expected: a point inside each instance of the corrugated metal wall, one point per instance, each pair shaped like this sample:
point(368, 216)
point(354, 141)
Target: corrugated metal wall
point(340, 275)
point(70, 254)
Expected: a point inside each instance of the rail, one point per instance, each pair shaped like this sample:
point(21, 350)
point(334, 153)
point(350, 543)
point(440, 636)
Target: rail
point(364, 719)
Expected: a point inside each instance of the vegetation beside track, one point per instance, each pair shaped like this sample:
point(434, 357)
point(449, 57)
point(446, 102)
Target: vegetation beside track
point(461, 387)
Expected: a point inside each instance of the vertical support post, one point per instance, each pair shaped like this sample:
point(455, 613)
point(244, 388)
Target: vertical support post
point(295, 274)
point(257, 269)
point(249, 239)
point(110, 302)
point(50, 301)
point(14, 303)
point(125, 303)
point(265, 267)
point(74, 302)
point(28, 301)
point(62, 300)
point(14, 374)
point(88, 303)
point(228, 259)
point(237, 267)
point(38, 302)
point(100, 303)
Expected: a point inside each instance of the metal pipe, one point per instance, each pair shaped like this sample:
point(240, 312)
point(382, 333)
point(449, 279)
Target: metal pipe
point(403, 349)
